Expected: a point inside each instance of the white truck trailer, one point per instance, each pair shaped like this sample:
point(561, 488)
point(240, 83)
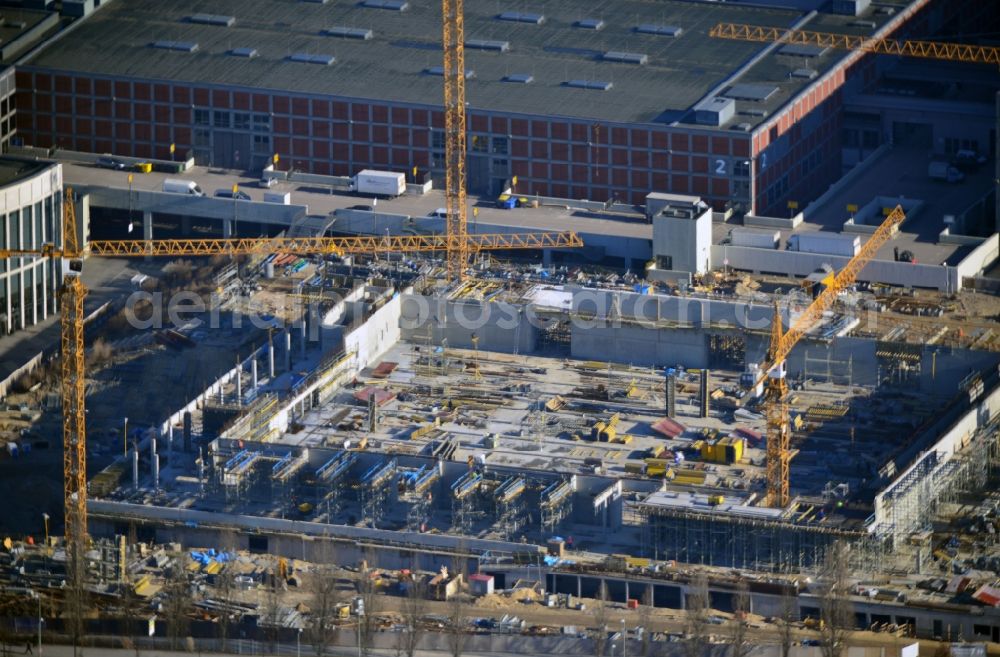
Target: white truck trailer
point(379, 183)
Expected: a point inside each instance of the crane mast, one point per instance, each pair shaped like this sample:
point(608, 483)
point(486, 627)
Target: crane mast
point(782, 343)
point(456, 223)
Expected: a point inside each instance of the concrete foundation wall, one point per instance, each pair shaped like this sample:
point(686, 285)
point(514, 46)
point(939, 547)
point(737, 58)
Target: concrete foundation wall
point(794, 263)
point(500, 326)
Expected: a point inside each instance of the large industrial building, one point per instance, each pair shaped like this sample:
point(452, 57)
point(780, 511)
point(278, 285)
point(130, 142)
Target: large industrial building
point(577, 100)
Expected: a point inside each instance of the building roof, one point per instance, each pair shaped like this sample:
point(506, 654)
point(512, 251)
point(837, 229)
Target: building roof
point(16, 169)
point(396, 60)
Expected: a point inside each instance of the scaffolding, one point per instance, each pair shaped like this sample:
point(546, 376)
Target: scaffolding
point(557, 502)
point(236, 473)
point(331, 480)
point(464, 502)
point(509, 506)
point(285, 474)
point(751, 543)
point(378, 491)
point(417, 487)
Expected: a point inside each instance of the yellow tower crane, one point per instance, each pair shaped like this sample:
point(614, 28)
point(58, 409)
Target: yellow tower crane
point(73, 292)
point(456, 224)
point(956, 52)
point(782, 343)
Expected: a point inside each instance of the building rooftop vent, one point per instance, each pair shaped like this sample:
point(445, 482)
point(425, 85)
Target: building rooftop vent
point(522, 78)
point(308, 58)
point(742, 127)
point(522, 17)
point(660, 30)
point(598, 85)
point(590, 23)
point(752, 92)
point(181, 46)
point(439, 70)
point(754, 111)
point(486, 44)
point(802, 50)
point(349, 33)
point(244, 52)
point(212, 19)
point(804, 73)
point(391, 5)
point(318, 2)
point(626, 57)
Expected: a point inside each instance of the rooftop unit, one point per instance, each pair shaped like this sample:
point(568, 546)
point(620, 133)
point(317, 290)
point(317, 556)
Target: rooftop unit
point(522, 17)
point(439, 70)
point(391, 5)
point(307, 58)
point(660, 30)
point(180, 46)
point(522, 78)
point(349, 33)
point(590, 24)
point(715, 111)
point(802, 50)
point(598, 85)
point(626, 57)
point(212, 19)
point(487, 44)
point(752, 92)
point(244, 52)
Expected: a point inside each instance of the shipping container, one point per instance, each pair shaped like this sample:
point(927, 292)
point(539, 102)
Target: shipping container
point(825, 243)
point(380, 183)
point(760, 239)
point(944, 172)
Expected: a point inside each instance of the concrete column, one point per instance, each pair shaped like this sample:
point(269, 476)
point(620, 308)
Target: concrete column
point(187, 431)
point(227, 228)
point(147, 225)
point(270, 357)
point(288, 350)
point(253, 369)
point(170, 439)
point(547, 257)
point(239, 384)
point(156, 472)
point(135, 469)
point(305, 333)
point(186, 225)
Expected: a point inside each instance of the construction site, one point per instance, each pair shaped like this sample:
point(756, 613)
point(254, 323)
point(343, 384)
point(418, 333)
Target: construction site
point(366, 427)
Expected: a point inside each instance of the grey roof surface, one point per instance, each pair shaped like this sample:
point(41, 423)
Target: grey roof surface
point(14, 169)
point(680, 70)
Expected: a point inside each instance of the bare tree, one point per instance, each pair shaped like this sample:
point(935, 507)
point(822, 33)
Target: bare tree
point(696, 616)
point(413, 608)
point(458, 604)
point(741, 607)
point(177, 601)
point(270, 610)
point(788, 616)
point(646, 618)
point(225, 585)
point(324, 596)
point(836, 615)
point(599, 618)
point(368, 592)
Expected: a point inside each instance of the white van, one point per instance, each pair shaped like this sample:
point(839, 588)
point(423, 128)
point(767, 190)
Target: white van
point(175, 186)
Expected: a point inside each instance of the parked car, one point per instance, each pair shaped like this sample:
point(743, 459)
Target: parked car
point(228, 193)
point(108, 162)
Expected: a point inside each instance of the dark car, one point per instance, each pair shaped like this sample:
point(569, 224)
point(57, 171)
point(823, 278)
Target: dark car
point(228, 193)
point(366, 208)
point(108, 162)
